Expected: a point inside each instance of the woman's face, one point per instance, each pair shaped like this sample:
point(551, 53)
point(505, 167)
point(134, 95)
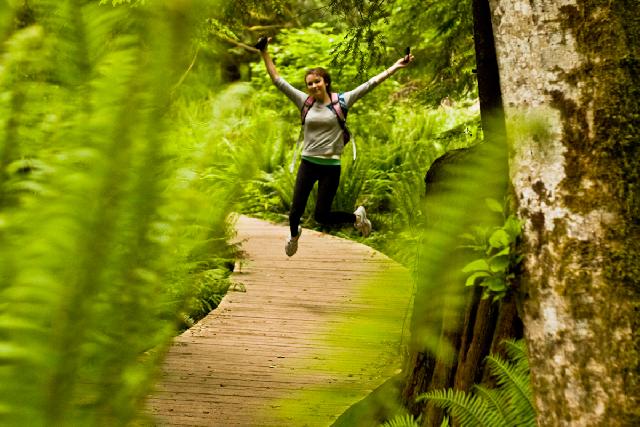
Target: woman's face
point(316, 86)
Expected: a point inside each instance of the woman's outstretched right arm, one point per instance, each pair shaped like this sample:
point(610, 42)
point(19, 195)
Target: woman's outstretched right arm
point(268, 62)
point(295, 95)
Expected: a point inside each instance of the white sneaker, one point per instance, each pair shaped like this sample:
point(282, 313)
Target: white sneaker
point(363, 225)
point(291, 247)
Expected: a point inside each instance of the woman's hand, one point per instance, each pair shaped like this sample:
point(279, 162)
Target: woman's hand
point(262, 44)
point(400, 63)
point(404, 61)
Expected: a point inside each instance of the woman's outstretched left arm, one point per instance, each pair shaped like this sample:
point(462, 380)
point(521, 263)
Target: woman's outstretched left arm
point(353, 95)
point(400, 63)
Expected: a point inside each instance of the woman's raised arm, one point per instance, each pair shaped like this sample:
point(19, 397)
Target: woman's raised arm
point(400, 63)
point(268, 62)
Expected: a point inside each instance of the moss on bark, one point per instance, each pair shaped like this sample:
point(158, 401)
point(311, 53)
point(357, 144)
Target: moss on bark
point(601, 131)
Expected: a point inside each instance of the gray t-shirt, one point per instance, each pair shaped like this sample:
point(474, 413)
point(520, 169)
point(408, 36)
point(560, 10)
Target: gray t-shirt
point(322, 132)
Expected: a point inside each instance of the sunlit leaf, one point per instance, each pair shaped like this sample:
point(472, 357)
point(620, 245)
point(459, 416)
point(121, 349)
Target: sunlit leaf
point(494, 205)
point(513, 226)
point(476, 265)
point(495, 284)
point(499, 239)
point(499, 263)
point(471, 280)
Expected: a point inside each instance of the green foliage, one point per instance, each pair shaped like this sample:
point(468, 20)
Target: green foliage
point(461, 182)
point(406, 420)
point(119, 2)
point(441, 34)
point(119, 168)
point(393, 156)
point(363, 43)
point(121, 158)
point(219, 145)
point(111, 221)
point(297, 49)
point(509, 404)
point(368, 33)
point(468, 410)
point(387, 177)
point(496, 269)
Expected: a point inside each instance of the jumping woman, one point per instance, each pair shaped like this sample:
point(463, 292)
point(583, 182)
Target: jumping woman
point(323, 143)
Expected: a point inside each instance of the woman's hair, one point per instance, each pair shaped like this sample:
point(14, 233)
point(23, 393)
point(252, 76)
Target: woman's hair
point(319, 71)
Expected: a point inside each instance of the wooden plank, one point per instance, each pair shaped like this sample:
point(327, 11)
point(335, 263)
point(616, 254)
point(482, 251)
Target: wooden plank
point(310, 336)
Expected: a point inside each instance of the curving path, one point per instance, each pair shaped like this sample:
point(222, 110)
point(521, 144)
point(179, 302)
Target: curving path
point(298, 342)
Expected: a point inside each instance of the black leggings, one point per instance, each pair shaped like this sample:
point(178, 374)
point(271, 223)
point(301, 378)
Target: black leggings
point(328, 177)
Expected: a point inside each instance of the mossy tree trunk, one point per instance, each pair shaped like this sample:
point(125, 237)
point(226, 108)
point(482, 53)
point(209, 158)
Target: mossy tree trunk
point(569, 75)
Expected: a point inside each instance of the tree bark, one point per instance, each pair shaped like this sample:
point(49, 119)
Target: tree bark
point(569, 77)
point(471, 357)
point(489, 93)
point(453, 327)
point(420, 367)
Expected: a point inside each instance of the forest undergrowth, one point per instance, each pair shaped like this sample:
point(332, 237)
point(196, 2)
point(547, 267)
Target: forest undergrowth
point(123, 159)
point(396, 143)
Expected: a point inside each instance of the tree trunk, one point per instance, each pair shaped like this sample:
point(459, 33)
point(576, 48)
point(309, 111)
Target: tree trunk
point(491, 110)
point(471, 358)
point(569, 74)
point(453, 327)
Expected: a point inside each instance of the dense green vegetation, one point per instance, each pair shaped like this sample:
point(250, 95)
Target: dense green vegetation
point(507, 403)
point(111, 232)
point(392, 157)
point(123, 155)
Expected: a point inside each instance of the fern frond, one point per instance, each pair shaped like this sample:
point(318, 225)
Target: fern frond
point(406, 420)
point(510, 375)
point(517, 352)
point(494, 400)
point(517, 386)
point(84, 300)
point(467, 409)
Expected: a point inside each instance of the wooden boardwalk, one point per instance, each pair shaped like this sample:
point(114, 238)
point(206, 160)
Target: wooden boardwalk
point(307, 338)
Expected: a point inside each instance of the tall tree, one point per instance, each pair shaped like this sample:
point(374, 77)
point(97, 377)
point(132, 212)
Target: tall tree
point(569, 74)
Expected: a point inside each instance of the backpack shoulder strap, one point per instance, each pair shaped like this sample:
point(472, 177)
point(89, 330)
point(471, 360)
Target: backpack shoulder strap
point(339, 106)
point(343, 104)
point(305, 108)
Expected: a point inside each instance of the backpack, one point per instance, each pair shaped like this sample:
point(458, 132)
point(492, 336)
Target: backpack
point(338, 106)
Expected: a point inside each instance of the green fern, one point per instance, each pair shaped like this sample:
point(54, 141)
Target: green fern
point(514, 380)
point(352, 181)
point(495, 401)
point(508, 405)
point(517, 352)
point(406, 420)
point(93, 217)
point(467, 409)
